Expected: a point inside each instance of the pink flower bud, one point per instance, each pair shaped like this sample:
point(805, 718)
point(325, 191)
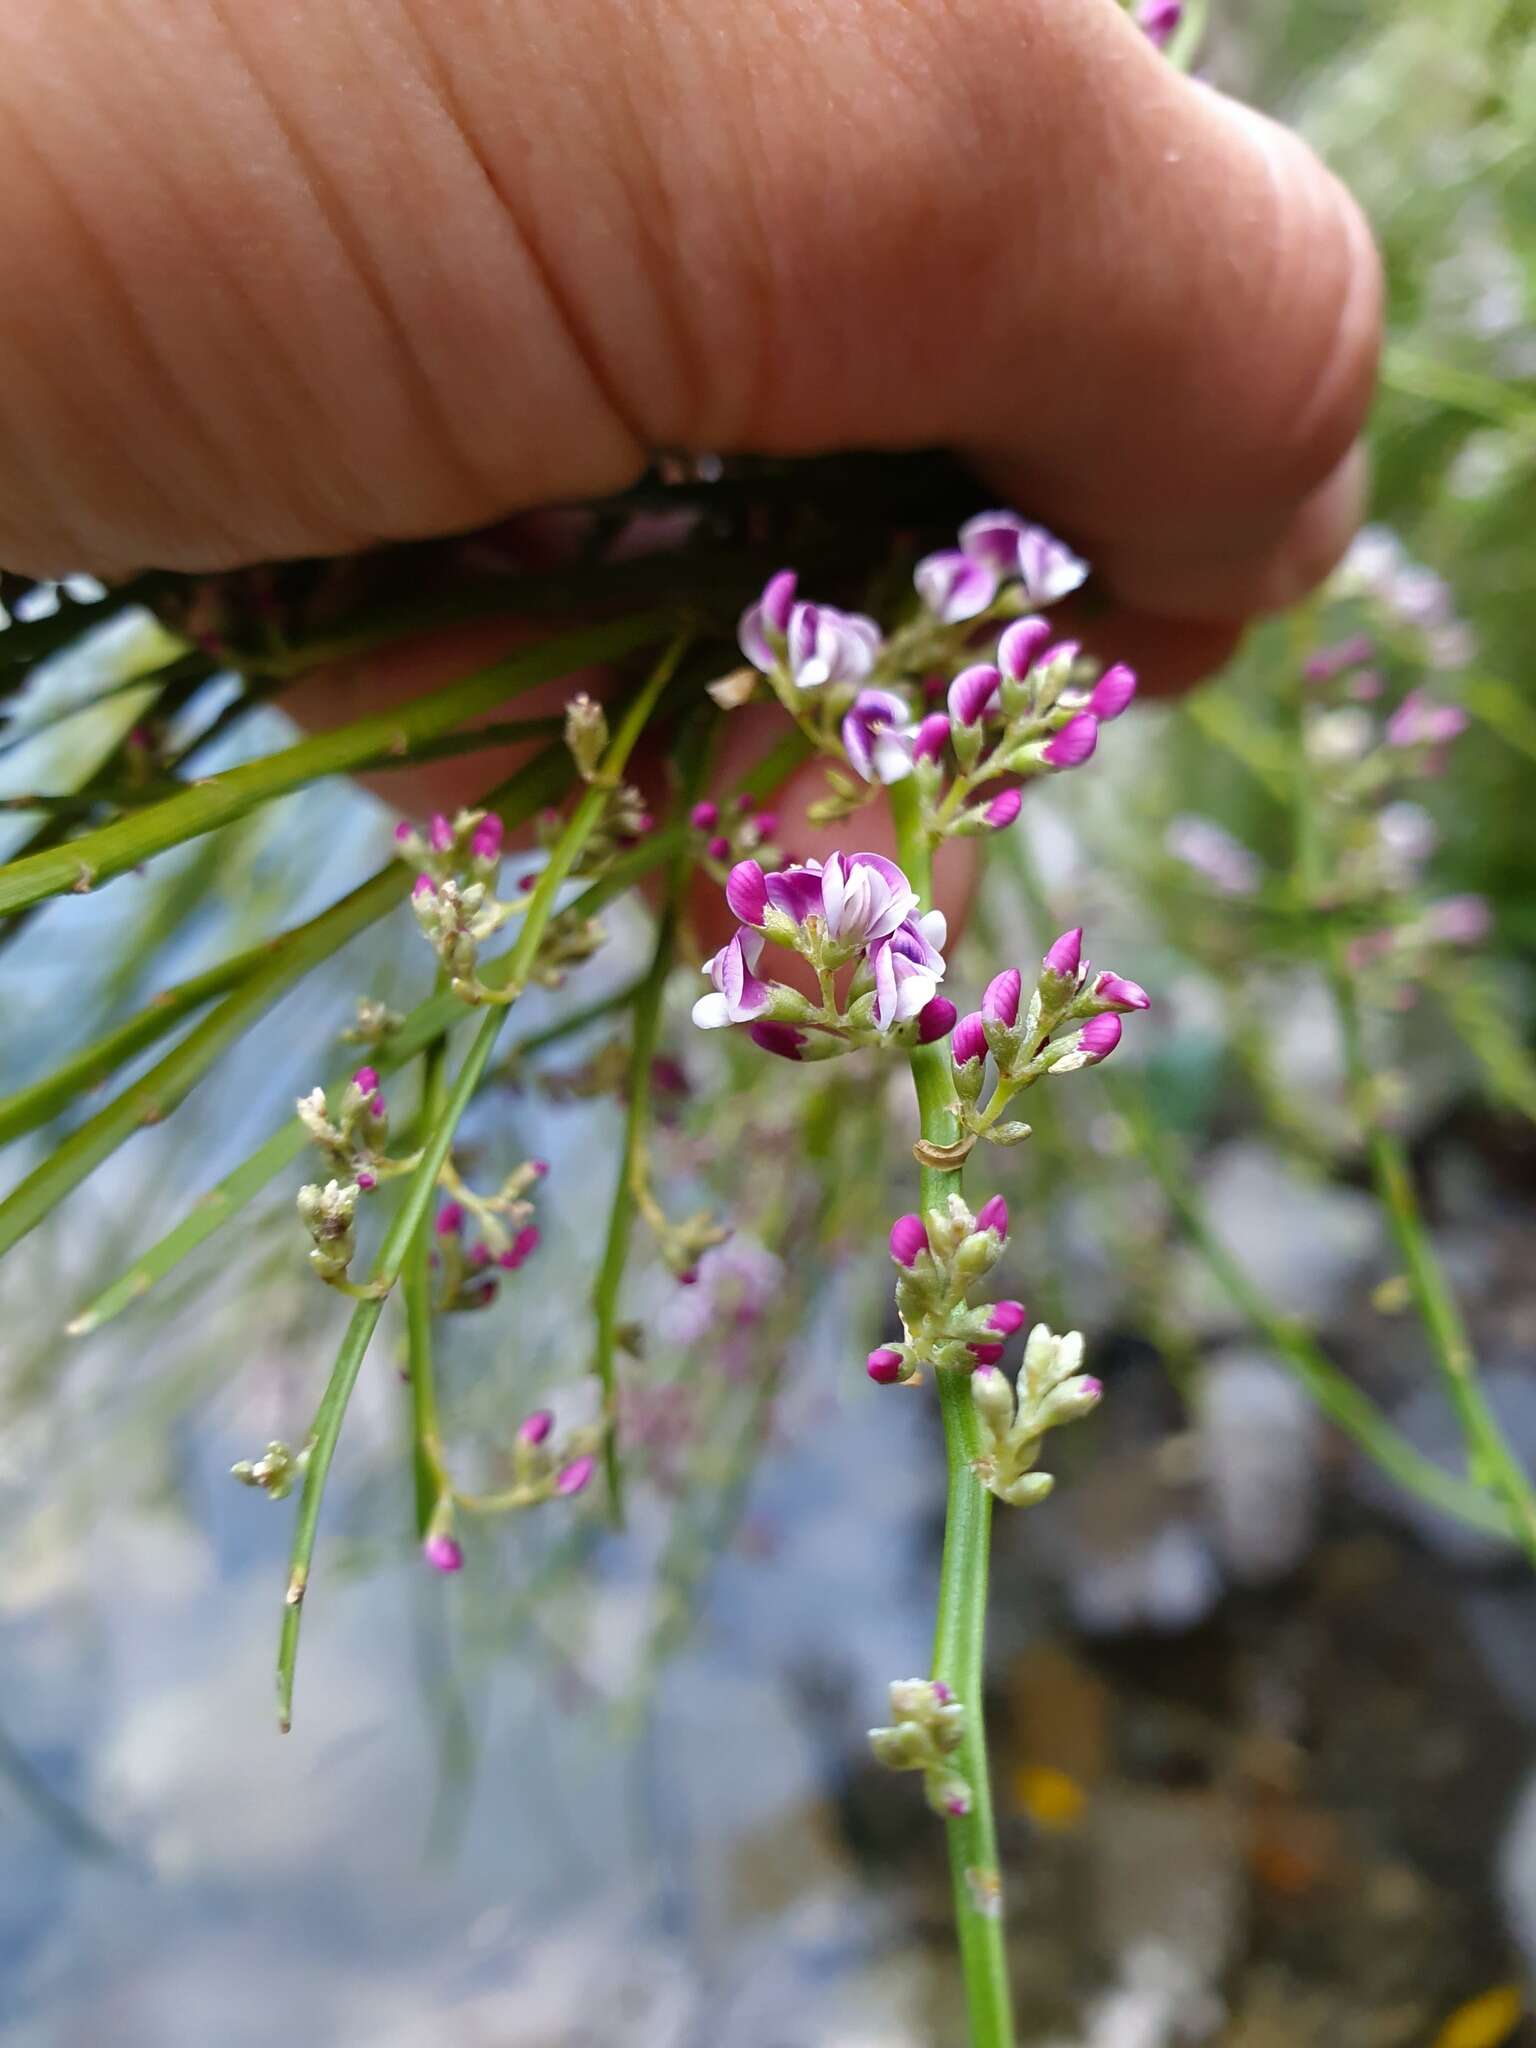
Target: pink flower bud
point(366, 1080)
point(480, 1255)
point(972, 692)
point(1099, 1037)
point(575, 1475)
point(538, 1168)
point(767, 823)
point(440, 834)
point(522, 1247)
point(1018, 647)
point(1125, 995)
point(1329, 662)
point(1001, 1000)
point(1092, 1389)
point(535, 1427)
point(719, 848)
point(367, 1182)
point(1006, 1317)
point(969, 1041)
point(1112, 692)
point(526, 883)
point(884, 1367)
point(986, 1354)
point(957, 1805)
point(1066, 954)
point(690, 1278)
point(485, 842)
point(908, 1238)
point(782, 1039)
point(932, 738)
point(935, 1020)
point(941, 1693)
point(993, 1216)
point(402, 832)
point(1002, 810)
point(746, 891)
point(442, 1552)
point(1074, 743)
point(424, 886)
point(450, 1220)
point(704, 817)
point(1158, 20)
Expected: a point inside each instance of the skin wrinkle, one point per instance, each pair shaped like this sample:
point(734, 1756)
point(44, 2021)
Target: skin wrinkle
point(422, 401)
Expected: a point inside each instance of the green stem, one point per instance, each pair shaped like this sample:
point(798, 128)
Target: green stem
point(416, 1283)
point(960, 1634)
point(644, 1024)
point(98, 856)
point(408, 1219)
point(1493, 1461)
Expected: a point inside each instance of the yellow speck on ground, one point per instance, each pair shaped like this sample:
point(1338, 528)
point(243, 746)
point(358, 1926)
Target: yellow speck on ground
point(1051, 1799)
point(1486, 2021)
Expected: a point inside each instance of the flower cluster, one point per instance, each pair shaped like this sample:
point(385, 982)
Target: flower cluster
point(543, 1469)
point(1072, 1021)
point(1015, 702)
point(941, 1257)
point(275, 1473)
point(353, 1135)
point(469, 1271)
point(1051, 1389)
point(738, 832)
point(454, 898)
point(854, 920)
point(928, 1726)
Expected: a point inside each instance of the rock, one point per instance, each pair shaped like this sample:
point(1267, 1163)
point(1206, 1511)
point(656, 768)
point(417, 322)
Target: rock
point(1260, 1436)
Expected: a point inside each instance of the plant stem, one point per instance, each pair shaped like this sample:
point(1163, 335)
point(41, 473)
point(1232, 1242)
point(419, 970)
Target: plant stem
point(960, 1633)
point(426, 1436)
point(408, 1219)
point(1492, 1461)
point(98, 856)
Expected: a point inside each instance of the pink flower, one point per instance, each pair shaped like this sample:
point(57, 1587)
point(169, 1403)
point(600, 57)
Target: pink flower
point(738, 997)
point(440, 834)
point(954, 586)
point(1048, 570)
point(442, 1552)
point(1077, 739)
point(796, 891)
point(1112, 692)
point(423, 886)
point(522, 1248)
point(1019, 646)
point(1006, 1317)
point(1099, 1037)
point(1459, 920)
point(884, 1367)
point(704, 817)
point(575, 1475)
point(366, 1080)
point(969, 1041)
point(1003, 809)
point(864, 897)
point(1000, 1002)
point(450, 1220)
point(824, 645)
point(908, 968)
point(1065, 955)
point(719, 848)
point(986, 1354)
point(485, 842)
point(993, 538)
point(993, 1215)
point(782, 1039)
point(1420, 722)
point(932, 738)
point(746, 892)
point(402, 831)
point(909, 1236)
point(877, 737)
point(534, 1428)
point(767, 824)
point(1125, 995)
point(760, 635)
point(1158, 20)
point(367, 1182)
point(972, 692)
point(936, 1020)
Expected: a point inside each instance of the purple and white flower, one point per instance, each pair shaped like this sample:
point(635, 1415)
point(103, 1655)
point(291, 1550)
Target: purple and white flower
point(908, 967)
point(815, 643)
point(878, 736)
point(955, 585)
point(1015, 549)
point(737, 996)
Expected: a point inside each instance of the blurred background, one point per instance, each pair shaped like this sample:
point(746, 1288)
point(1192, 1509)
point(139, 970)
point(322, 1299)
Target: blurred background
point(1265, 1722)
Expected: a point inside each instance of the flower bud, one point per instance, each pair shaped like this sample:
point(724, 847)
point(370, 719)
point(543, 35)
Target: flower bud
point(573, 1477)
point(1065, 955)
point(885, 1367)
point(1006, 1317)
point(1077, 739)
point(1017, 649)
point(450, 1219)
point(971, 694)
point(1112, 692)
point(1099, 1037)
point(1001, 1000)
point(993, 1398)
point(1114, 989)
point(704, 817)
point(485, 840)
point(908, 1238)
point(969, 1040)
point(441, 1551)
point(993, 1216)
point(746, 892)
point(534, 1428)
point(935, 1020)
point(1003, 809)
point(932, 738)
point(948, 1794)
point(586, 734)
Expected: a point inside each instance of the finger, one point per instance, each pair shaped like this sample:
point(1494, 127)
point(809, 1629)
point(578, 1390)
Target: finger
point(289, 280)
